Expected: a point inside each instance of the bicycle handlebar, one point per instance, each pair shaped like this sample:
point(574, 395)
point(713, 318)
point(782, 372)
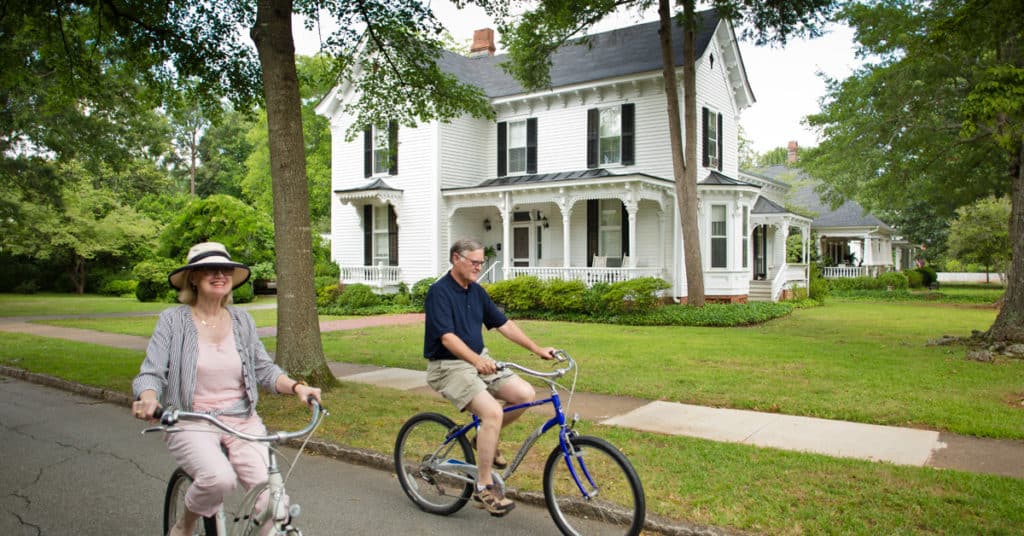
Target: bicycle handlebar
point(170, 416)
point(560, 355)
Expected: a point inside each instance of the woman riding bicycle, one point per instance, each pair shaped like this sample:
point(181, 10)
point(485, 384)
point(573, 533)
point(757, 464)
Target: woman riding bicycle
point(205, 356)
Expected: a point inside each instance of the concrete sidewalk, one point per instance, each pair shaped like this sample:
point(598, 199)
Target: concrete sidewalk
point(903, 446)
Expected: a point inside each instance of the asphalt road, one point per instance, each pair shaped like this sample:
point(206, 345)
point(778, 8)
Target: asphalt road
point(76, 466)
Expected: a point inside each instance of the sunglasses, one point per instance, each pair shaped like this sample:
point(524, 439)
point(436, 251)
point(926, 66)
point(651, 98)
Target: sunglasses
point(210, 272)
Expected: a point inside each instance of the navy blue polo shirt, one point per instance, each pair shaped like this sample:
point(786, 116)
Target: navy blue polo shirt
point(452, 309)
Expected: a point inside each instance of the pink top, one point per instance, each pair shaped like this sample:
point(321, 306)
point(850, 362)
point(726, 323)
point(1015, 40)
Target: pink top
point(218, 375)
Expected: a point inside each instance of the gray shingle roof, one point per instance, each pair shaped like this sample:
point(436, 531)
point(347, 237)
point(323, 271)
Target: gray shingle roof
point(625, 51)
point(375, 185)
point(849, 214)
point(765, 206)
point(719, 179)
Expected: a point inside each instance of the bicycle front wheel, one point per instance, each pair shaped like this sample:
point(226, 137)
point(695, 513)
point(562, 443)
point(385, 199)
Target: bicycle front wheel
point(419, 450)
point(247, 511)
point(174, 504)
point(594, 490)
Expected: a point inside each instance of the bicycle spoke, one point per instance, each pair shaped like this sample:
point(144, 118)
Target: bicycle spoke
point(417, 459)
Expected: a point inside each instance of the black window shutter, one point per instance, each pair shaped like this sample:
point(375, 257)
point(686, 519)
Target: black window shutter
point(704, 137)
point(367, 235)
point(531, 145)
point(592, 124)
point(719, 142)
point(367, 152)
point(393, 147)
point(625, 232)
point(592, 216)
point(502, 149)
point(628, 130)
point(392, 236)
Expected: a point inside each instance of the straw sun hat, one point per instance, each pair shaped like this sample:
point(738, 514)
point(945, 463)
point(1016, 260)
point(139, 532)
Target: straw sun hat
point(209, 255)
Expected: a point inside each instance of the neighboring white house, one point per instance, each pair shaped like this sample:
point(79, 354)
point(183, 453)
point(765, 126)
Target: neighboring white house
point(573, 182)
point(850, 241)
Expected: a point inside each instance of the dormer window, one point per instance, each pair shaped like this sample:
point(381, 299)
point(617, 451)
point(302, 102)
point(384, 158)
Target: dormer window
point(610, 134)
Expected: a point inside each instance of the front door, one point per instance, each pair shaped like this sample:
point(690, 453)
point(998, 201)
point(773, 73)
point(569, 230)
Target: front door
point(521, 245)
point(760, 253)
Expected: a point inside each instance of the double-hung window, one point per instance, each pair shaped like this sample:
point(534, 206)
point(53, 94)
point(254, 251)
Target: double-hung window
point(380, 150)
point(719, 239)
point(380, 235)
point(610, 135)
point(516, 147)
point(711, 121)
point(609, 232)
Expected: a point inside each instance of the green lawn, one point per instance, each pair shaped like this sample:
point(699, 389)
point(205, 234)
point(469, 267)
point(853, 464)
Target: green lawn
point(852, 360)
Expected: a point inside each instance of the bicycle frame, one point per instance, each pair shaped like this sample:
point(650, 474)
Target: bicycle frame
point(468, 473)
point(275, 487)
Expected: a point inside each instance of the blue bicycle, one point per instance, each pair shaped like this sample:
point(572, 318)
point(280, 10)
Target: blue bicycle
point(590, 487)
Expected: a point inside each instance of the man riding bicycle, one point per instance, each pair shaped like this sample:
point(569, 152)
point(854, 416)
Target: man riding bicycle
point(460, 368)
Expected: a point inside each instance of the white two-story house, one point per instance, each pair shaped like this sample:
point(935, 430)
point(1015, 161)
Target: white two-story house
point(572, 182)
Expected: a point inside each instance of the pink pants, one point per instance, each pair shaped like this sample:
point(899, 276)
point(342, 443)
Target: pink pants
point(198, 451)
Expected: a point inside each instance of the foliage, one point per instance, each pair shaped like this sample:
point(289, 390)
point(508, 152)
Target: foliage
point(119, 287)
point(818, 289)
point(717, 315)
point(327, 295)
point(888, 280)
point(980, 234)
point(246, 233)
point(152, 276)
point(635, 296)
point(914, 279)
point(419, 290)
point(244, 293)
point(936, 118)
point(928, 275)
point(777, 156)
point(563, 296)
point(522, 293)
point(262, 271)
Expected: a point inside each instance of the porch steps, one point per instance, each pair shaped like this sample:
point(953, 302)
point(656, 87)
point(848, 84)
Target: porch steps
point(760, 291)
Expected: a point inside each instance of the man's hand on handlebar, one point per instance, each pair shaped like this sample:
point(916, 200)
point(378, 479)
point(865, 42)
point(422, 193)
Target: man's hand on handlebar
point(548, 353)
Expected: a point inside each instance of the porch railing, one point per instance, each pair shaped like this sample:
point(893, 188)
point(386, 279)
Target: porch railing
point(379, 276)
point(838, 272)
point(589, 276)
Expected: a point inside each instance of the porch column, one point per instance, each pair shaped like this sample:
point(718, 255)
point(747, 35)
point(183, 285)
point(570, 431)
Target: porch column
point(662, 246)
point(566, 210)
point(782, 240)
point(631, 209)
point(869, 255)
point(506, 234)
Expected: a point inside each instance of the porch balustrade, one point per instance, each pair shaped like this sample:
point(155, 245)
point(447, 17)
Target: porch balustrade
point(379, 276)
point(839, 272)
point(589, 276)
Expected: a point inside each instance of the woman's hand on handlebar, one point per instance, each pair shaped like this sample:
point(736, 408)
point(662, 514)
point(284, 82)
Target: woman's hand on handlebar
point(306, 392)
point(547, 353)
point(145, 406)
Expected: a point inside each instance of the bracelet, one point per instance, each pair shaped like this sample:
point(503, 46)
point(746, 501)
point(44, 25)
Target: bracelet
point(297, 384)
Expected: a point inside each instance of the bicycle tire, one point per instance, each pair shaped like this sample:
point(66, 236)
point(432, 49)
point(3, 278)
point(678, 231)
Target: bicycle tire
point(417, 441)
point(619, 507)
point(174, 504)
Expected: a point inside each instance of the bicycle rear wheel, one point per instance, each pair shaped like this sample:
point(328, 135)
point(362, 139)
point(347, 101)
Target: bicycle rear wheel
point(174, 504)
point(616, 504)
point(417, 450)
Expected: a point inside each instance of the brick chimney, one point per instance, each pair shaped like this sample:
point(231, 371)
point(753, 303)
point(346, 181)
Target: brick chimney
point(791, 152)
point(483, 43)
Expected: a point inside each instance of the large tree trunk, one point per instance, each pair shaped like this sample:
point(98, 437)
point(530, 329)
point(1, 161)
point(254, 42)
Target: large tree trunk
point(299, 349)
point(685, 175)
point(1009, 324)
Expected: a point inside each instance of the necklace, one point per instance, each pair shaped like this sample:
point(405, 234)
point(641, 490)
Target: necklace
point(209, 324)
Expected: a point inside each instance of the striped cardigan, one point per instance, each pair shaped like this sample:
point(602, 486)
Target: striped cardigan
point(173, 352)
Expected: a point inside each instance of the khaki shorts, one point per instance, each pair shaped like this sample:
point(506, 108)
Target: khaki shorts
point(459, 382)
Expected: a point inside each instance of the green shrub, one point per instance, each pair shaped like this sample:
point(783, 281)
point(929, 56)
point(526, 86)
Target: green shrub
point(357, 296)
point(894, 280)
point(711, 315)
point(401, 299)
point(799, 294)
point(119, 287)
point(27, 287)
point(263, 271)
point(635, 295)
point(519, 294)
point(326, 295)
point(914, 279)
point(322, 281)
point(819, 288)
point(152, 276)
point(563, 296)
point(593, 300)
point(419, 290)
point(244, 293)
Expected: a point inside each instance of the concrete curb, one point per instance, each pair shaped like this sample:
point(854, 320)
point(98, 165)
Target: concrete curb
point(365, 457)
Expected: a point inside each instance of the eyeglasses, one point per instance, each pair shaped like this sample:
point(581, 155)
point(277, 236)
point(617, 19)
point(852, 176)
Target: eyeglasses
point(476, 264)
point(210, 272)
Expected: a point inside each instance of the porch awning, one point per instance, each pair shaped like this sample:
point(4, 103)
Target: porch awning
point(374, 190)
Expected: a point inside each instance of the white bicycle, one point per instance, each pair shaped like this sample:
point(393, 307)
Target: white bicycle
point(245, 520)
